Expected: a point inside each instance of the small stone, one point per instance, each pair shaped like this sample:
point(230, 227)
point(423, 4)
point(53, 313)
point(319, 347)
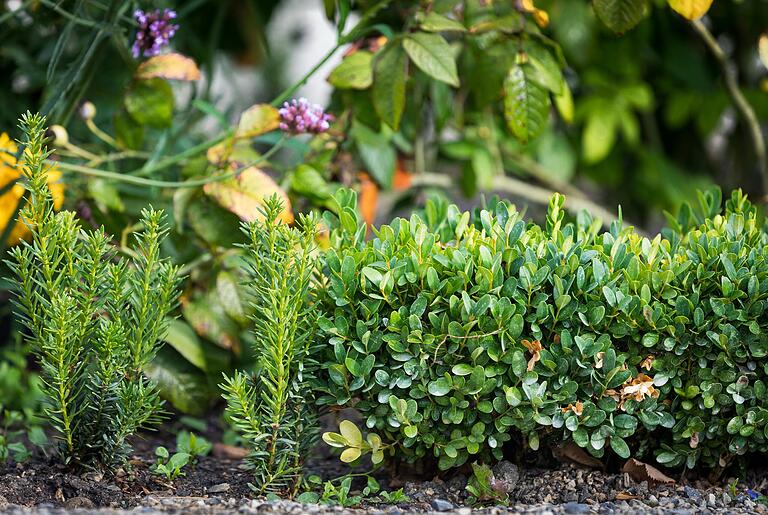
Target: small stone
point(219, 488)
point(441, 505)
point(464, 511)
point(726, 499)
point(711, 499)
point(3, 502)
point(575, 507)
point(506, 474)
point(692, 493)
point(652, 501)
point(457, 482)
point(79, 502)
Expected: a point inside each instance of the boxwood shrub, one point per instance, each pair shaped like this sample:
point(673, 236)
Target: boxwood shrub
point(454, 333)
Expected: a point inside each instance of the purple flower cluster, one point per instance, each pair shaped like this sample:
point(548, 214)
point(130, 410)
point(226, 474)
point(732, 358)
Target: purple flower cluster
point(155, 31)
point(299, 117)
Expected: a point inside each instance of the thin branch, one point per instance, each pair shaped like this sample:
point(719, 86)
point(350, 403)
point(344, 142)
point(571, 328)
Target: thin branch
point(730, 76)
point(132, 179)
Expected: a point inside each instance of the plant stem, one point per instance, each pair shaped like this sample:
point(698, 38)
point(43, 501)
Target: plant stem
point(730, 76)
point(288, 92)
point(181, 156)
point(132, 179)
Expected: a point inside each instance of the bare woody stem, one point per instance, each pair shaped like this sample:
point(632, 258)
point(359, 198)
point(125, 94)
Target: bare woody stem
point(730, 75)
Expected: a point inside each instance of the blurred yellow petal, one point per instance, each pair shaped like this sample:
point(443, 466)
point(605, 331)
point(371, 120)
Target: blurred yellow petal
point(9, 200)
point(690, 9)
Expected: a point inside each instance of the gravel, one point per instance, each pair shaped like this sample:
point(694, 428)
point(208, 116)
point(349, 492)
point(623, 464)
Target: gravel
point(567, 489)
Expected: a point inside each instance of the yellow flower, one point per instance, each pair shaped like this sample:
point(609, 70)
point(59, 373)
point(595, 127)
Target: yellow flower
point(13, 191)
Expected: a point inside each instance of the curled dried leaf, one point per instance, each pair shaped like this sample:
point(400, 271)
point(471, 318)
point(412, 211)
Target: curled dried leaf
point(647, 363)
point(640, 471)
point(577, 408)
point(535, 348)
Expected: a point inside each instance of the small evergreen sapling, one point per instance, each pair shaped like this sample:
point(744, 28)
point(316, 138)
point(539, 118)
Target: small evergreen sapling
point(94, 319)
point(274, 408)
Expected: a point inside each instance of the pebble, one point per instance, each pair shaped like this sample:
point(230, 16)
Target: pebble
point(711, 499)
point(79, 502)
point(574, 507)
point(441, 505)
point(219, 488)
point(507, 475)
point(692, 493)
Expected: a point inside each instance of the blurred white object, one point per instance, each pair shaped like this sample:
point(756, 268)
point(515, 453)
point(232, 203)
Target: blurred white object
point(301, 35)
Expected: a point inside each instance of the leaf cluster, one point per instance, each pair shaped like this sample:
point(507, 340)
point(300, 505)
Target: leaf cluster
point(455, 333)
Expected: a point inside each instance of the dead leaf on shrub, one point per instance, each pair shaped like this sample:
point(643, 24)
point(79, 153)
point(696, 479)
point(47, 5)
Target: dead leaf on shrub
point(640, 471)
point(577, 408)
point(535, 348)
point(572, 452)
point(639, 388)
point(599, 361)
point(647, 363)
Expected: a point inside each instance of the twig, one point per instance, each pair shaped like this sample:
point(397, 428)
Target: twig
point(730, 76)
point(132, 179)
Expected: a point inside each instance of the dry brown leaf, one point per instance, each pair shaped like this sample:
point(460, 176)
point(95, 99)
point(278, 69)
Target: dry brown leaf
point(600, 356)
point(647, 363)
point(639, 388)
point(577, 408)
point(640, 471)
point(625, 496)
point(535, 348)
point(572, 452)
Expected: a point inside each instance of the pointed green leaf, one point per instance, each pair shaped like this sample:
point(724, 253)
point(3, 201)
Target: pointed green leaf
point(389, 85)
point(526, 104)
point(433, 55)
point(354, 72)
point(620, 15)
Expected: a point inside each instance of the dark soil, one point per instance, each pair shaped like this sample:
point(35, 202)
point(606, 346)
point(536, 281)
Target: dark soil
point(218, 483)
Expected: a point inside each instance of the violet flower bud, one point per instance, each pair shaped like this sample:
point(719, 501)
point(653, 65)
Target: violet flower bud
point(299, 117)
point(155, 31)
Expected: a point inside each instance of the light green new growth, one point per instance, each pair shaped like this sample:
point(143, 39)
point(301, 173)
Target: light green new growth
point(273, 409)
point(94, 319)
